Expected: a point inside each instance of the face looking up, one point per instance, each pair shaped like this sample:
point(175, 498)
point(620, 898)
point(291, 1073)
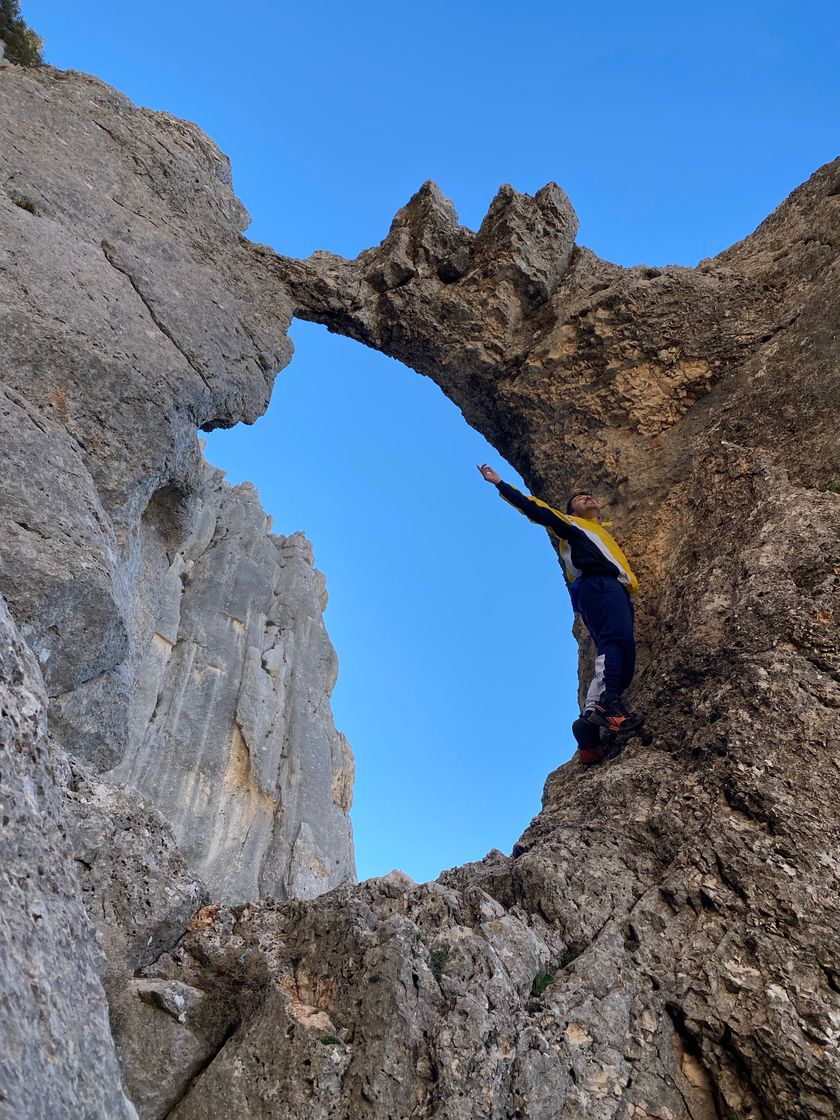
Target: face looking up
point(584, 505)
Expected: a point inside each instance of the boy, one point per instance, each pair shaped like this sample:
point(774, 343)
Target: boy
point(601, 584)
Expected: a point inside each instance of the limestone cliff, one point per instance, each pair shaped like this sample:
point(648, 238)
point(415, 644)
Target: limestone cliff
point(232, 734)
point(182, 644)
point(57, 1056)
point(665, 941)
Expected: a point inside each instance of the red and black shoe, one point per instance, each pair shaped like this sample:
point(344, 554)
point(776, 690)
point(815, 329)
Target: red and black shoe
point(612, 715)
point(588, 738)
point(591, 756)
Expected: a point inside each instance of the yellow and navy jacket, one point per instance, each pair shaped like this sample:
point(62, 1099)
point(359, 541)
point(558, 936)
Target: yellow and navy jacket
point(586, 548)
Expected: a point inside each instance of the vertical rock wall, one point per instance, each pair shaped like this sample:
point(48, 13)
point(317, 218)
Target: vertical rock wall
point(57, 1057)
point(664, 942)
point(232, 734)
point(182, 646)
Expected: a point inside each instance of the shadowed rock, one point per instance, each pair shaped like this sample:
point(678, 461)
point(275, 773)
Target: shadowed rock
point(57, 1057)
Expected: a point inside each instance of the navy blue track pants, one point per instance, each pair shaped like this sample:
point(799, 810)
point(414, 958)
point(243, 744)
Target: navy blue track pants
point(607, 613)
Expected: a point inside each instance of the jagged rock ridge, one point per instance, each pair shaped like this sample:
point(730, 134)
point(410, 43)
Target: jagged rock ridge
point(682, 900)
point(665, 943)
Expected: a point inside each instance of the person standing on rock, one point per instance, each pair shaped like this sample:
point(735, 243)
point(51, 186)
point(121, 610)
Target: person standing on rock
point(601, 584)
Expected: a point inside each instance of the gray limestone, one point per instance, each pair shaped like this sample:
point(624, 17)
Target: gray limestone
point(133, 879)
point(181, 644)
point(57, 1057)
point(166, 1033)
point(232, 737)
point(124, 326)
point(664, 942)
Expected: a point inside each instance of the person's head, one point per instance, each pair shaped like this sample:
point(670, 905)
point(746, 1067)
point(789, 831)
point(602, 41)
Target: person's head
point(582, 504)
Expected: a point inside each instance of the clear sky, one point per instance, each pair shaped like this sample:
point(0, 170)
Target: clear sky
point(674, 129)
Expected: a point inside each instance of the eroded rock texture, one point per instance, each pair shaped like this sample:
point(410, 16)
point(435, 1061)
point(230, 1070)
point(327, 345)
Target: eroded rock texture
point(233, 737)
point(683, 898)
point(57, 1056)
point(182, 644)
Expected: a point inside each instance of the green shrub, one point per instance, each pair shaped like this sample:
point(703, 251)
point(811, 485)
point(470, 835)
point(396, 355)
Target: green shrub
point(24, 203)
point(437, 960)
point(329, 1040)
point(22, 45)
point(541, 982)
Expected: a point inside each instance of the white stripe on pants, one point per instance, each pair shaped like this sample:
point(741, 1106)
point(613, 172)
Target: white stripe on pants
point(596, 686)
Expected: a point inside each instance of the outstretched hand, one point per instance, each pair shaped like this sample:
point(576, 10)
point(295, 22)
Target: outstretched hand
point(488, 474)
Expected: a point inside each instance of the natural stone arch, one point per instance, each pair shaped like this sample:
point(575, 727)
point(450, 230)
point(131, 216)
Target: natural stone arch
point(683, 390)
point(678, 896)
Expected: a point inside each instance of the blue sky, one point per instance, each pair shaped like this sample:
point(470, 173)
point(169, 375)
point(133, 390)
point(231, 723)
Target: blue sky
point(674, 129)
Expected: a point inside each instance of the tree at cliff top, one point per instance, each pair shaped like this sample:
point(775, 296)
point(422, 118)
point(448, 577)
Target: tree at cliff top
point(23, 45)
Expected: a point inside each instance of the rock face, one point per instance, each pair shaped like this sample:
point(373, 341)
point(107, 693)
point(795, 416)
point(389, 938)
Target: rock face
point(141, 895)
point(57, 1057)
point(132, 878)
point(181, 644)
point(233, 738)
point(665, 941)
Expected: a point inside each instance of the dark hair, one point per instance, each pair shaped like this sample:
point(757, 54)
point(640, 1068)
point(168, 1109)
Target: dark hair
point(576, 494)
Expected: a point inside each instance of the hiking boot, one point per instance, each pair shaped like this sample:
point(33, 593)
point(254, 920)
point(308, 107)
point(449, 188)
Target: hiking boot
point(612, 715)
point(591, 756)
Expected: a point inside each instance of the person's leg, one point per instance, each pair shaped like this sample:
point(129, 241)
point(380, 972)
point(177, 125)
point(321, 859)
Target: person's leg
point(587, 735)
point(608, 615)
point(629, 650)
point(588, 738)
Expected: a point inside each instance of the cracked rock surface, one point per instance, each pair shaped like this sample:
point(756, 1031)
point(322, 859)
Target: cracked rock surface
point(664, 942)
point(683, 898)
point(181, 643)
point(57, 1056)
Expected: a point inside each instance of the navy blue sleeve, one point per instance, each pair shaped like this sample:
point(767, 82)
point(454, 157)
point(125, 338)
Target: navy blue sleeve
point(538, 512)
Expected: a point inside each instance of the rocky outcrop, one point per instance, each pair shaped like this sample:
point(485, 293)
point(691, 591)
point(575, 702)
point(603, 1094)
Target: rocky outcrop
point(57, 1057)
point(140, 894)
point(132, 878)
point(664, 942)
point(233, 738)
point(182, 645)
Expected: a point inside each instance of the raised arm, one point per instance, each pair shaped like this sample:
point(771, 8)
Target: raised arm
point(533, 508)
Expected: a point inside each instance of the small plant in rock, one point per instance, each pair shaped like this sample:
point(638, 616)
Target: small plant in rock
point(438, 959)
point(541, 982)
point(22, 45)
point(329, 1040)
point(24, 203)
